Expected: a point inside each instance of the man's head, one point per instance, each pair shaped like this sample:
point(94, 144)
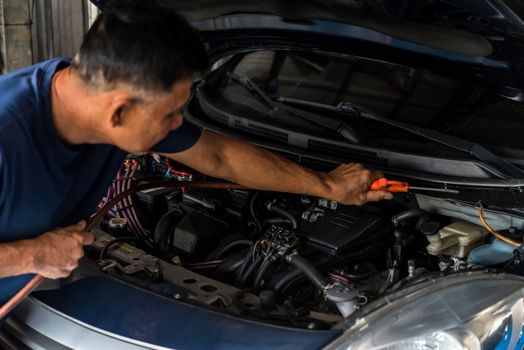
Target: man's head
point(142, 59)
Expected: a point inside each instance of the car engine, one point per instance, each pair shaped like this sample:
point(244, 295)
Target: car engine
point(281, 258)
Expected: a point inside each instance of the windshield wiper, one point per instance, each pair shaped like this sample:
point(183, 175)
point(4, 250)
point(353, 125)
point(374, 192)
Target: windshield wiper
point(339, 127)
point(346, 108)
point(474, 149)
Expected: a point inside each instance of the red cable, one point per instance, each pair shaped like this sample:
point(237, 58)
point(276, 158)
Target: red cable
point(172, 170)
point(35, 281)
point(21, 294)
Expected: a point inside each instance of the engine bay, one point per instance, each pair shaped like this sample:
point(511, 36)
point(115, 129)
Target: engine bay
point(282, 258)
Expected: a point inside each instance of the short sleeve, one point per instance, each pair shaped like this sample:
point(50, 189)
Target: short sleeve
point(2, 180)
point(179, 140)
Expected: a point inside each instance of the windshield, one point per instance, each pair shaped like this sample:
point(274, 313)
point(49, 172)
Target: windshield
point(404, 94)
point(355, 109)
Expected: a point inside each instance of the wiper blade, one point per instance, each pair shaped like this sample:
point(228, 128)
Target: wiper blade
point(472, 148)
point(339, 127)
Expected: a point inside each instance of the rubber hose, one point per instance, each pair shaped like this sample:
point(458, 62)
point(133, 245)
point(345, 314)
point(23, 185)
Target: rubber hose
point(261, 272)
point(409, 214)
point(421, 221)
point(252, 211)
point(254, 265)
point(309, 270)
point(230, 246)
point(245, 263)
point(283, 212)
point(276, 221)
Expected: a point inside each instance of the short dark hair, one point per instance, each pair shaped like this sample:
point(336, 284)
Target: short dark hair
point(138, 42)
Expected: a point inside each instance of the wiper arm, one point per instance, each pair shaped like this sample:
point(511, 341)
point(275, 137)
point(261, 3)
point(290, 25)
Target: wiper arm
point(339, 127)
point(474, 149)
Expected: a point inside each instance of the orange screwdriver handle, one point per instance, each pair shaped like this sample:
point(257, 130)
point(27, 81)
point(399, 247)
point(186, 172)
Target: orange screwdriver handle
point(389, 185)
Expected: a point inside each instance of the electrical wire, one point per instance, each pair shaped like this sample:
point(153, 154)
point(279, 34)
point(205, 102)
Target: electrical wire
point(121, 183)
point(95, 220)
point(128, 211)
point(145, 233)
point(493, 232)
point(340, 277)
point(172, 170)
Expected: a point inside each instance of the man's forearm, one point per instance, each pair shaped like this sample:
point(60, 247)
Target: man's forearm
point(53, 254)
point(252, 166)
point(16, 258)
point(257, 168)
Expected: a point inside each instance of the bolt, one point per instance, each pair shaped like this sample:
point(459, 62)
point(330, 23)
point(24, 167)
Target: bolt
point(411, 268)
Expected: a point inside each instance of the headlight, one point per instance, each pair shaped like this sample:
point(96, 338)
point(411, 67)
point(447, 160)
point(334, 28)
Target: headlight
point(468, 311)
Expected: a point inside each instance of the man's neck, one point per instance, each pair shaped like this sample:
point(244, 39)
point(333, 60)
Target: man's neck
point(71, 109)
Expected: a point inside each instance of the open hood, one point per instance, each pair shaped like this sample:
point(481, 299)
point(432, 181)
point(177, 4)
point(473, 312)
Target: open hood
point(478, 40)
point(454, 67)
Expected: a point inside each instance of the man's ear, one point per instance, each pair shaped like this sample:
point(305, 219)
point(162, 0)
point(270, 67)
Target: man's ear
point(120, 103)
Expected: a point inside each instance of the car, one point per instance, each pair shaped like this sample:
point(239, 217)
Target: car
point(429, 92)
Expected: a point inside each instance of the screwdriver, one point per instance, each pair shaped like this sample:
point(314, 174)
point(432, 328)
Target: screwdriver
point(399, 186)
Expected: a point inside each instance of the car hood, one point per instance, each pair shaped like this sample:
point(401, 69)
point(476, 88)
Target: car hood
point(477, 40)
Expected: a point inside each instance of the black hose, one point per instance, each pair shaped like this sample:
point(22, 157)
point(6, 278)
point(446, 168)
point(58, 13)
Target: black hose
point(254, 265)
point(228, 247)
point(276, 221)
point(308, 269)
point(409, 214)
point(252, 211)
point(261, 272)
point(283, 212)
point(245, 263)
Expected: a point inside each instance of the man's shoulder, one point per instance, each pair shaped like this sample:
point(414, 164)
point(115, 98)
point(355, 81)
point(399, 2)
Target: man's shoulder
point(26, 92)
point(25, 78)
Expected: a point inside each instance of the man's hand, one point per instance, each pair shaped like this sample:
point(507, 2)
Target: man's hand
point(56, 253)
point(349, 184)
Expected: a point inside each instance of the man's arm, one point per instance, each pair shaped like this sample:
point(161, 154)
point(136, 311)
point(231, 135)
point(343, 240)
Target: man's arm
point(254, 167)
point(53, 254)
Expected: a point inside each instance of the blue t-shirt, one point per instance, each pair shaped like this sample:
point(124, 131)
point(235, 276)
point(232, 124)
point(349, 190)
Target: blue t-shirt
point(45, 183)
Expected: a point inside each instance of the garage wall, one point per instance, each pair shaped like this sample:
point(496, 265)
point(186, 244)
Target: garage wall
point(59, 26)
point(35, 30)
point(15, 34)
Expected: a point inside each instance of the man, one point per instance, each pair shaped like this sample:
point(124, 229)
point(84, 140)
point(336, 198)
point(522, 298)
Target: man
point(65, 128)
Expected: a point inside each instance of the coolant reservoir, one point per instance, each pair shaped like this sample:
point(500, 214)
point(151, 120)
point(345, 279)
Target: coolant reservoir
point(456, 239)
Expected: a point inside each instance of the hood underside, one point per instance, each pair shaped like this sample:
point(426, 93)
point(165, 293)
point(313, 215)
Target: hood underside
point(476, 40)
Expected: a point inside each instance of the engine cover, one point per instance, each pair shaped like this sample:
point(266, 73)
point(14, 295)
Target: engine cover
point(191, 230)
point(343, 229)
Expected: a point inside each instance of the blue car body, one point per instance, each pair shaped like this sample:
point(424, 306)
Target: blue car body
point(134, 316)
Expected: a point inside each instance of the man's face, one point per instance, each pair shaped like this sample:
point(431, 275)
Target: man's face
point(144, 124)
